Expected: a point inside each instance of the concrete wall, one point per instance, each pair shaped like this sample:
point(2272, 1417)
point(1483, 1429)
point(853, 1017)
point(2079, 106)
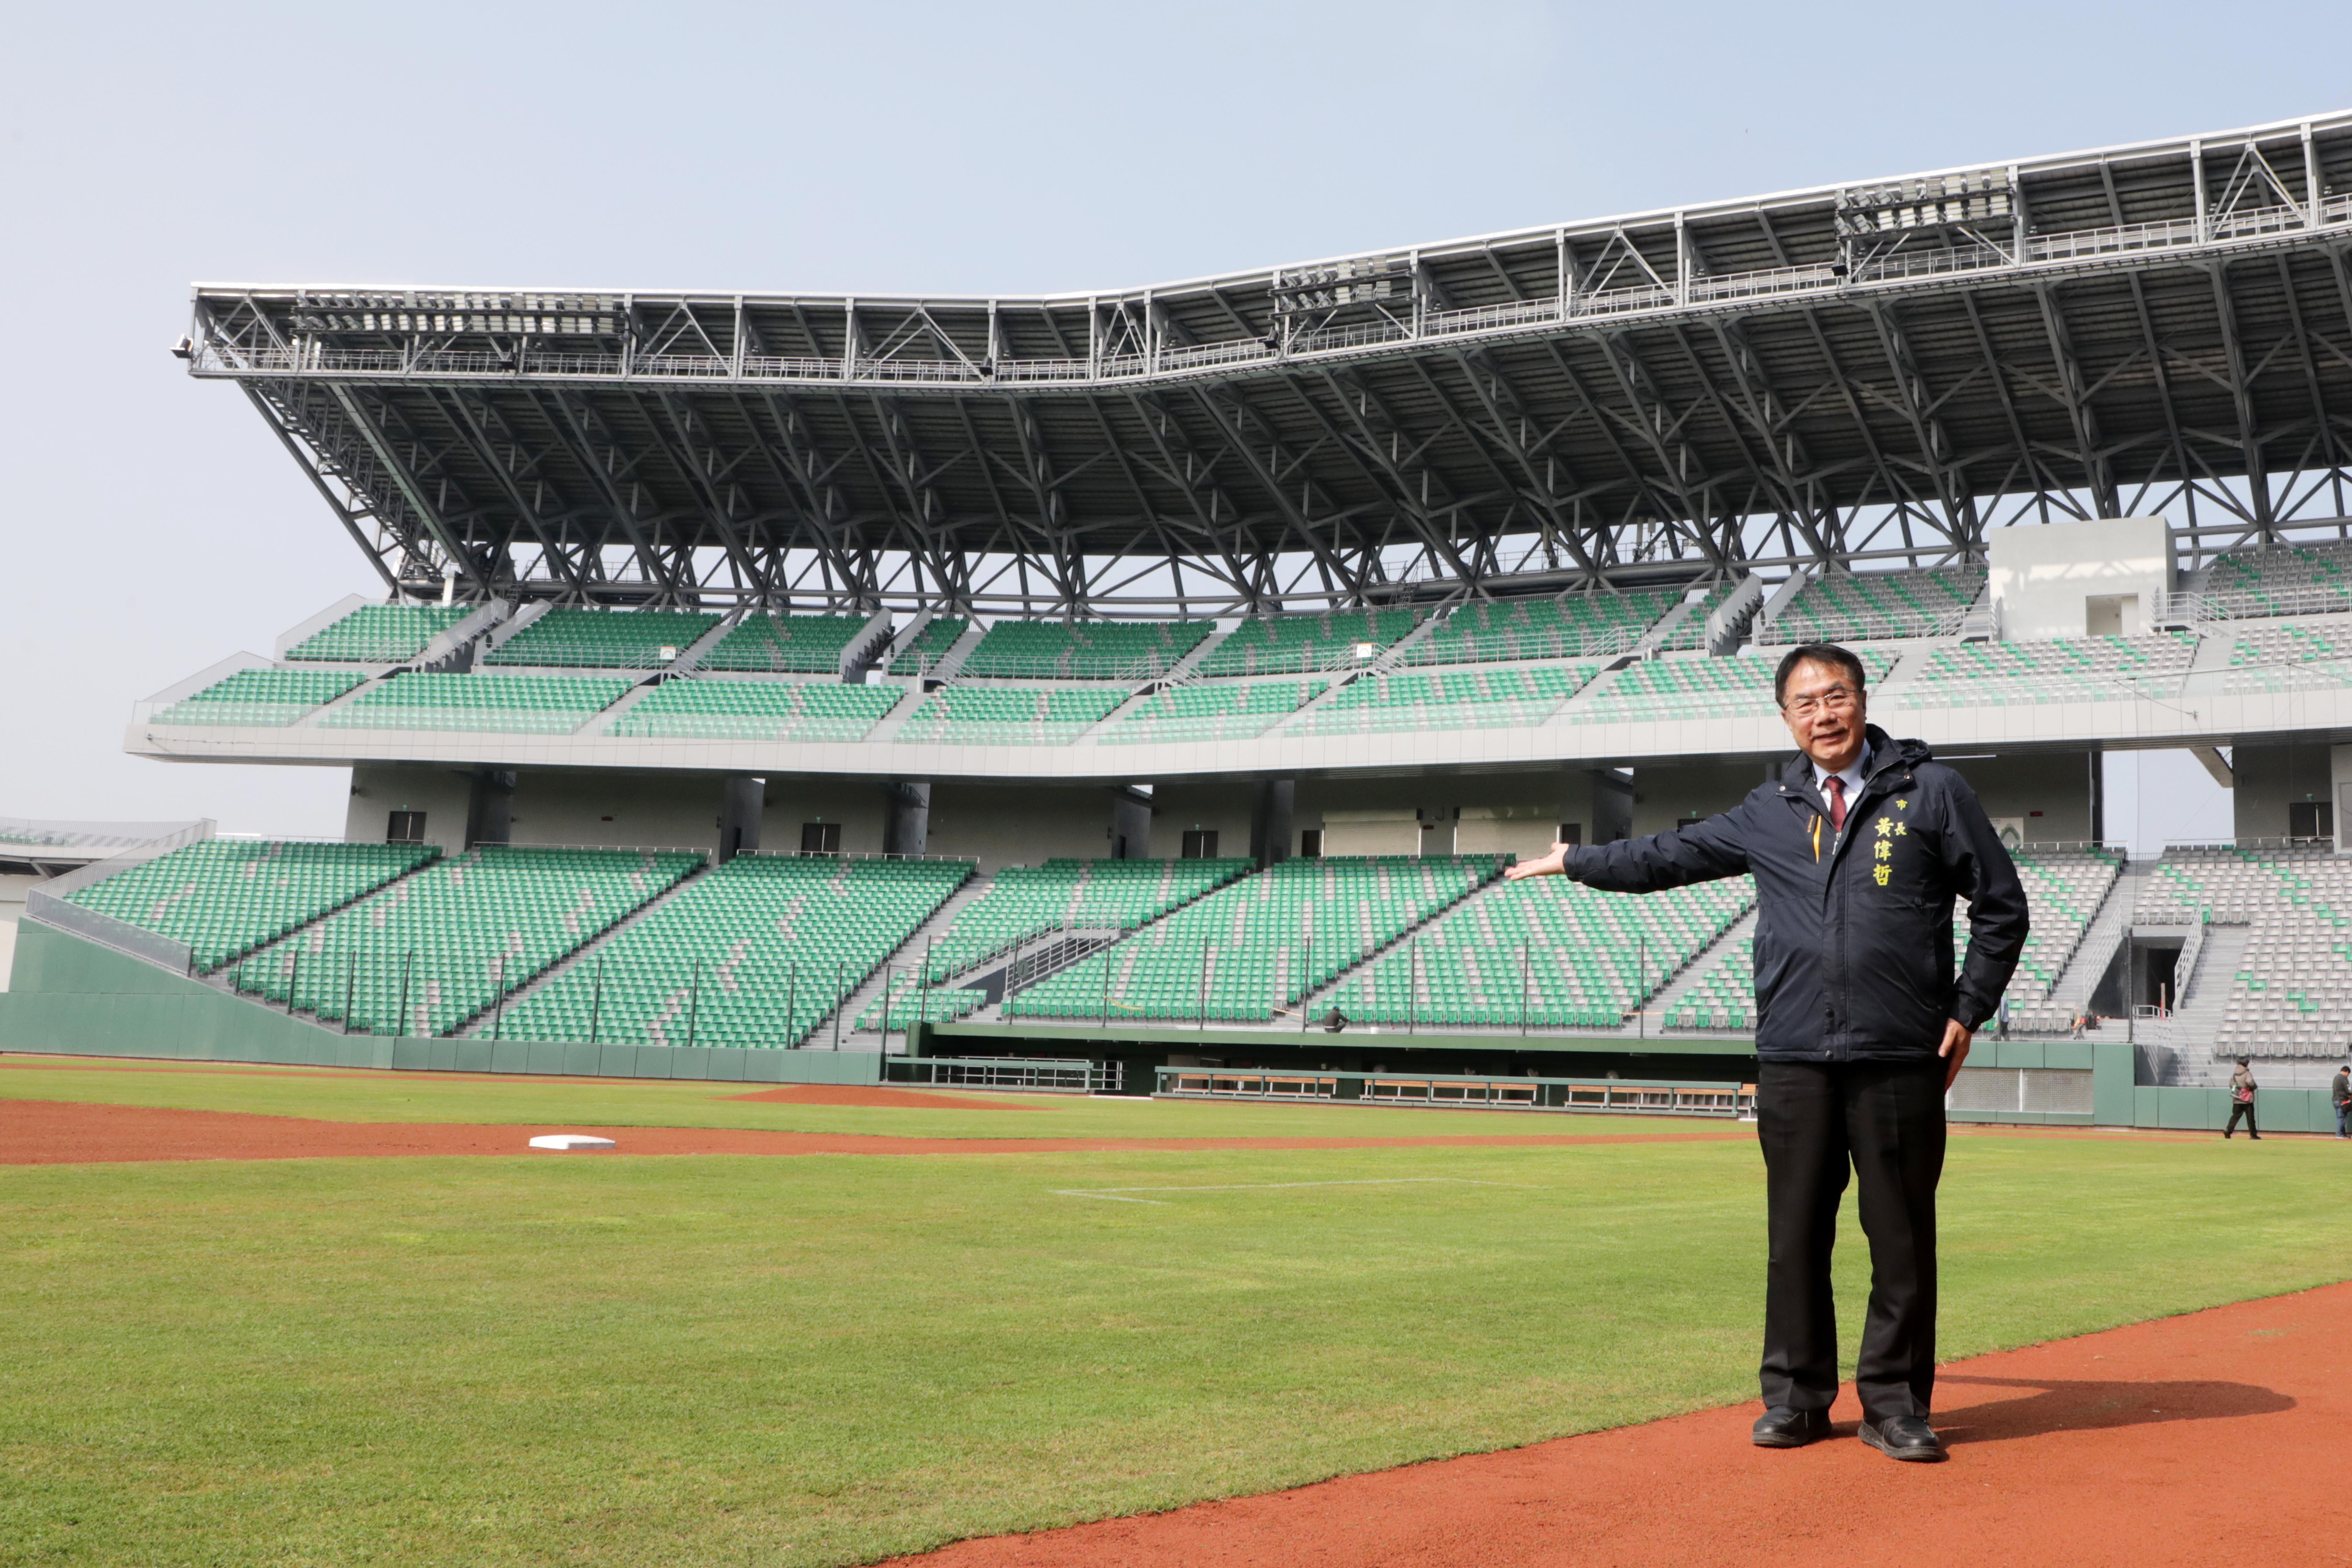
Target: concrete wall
point(2270, 777)
point(1004, 825)
point(858, 804)
point(1517, 813)
point(2046, 797)
point(1224, 807)
point(12, 909)
point(666, 811)
point(2054, 580)
point(1665, 795)
point(442, 794)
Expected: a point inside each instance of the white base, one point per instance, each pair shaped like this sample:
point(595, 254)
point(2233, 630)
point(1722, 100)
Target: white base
point(571, 1143)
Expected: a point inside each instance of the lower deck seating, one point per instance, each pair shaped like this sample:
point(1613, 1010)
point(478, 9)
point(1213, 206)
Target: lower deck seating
point(1213, 711)
point(1009, 715)
point(434, 949)
point(271, 698)
point(224, 896)
point(752, 954)
point(1262, 942)
point(380, 634)
point(698, 710)
point(1072, 895)
point(1548, 952)
point(1473, 699)
point(2290, 995)
point(508, 704)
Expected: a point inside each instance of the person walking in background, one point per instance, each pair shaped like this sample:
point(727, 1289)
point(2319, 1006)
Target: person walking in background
point(2340, 1093)
point(2242, 1101)
point(1858, 847)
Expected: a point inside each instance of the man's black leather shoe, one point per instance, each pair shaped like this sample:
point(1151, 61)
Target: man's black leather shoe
point(1781, 1427)
point(1904, 1437)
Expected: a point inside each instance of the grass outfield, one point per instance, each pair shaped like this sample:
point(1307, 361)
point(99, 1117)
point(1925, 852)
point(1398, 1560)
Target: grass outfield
point(732, 1360)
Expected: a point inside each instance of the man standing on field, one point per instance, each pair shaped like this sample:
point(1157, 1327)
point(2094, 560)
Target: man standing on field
point(1858, 848)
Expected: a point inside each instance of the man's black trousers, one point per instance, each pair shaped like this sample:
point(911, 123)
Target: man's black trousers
point(1886, 1119)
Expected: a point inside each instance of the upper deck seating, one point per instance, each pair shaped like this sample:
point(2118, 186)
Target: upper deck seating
point(802, 645)
point(1447, 699)
point(603, 639)
point(1664, 689)
point(427, 954)
point(380, 634)
point(1082, 651)
point(1262, 942)
point(1575, 626)
point(1296, 644)
point(2068, 670)
point(2283, 580)
point(509, 704)
point(1008, 715)
point(929, 645)
point(224, 896)
point(2288, 656)
point(1213, 711)
point(1550, 954)
point(1691, 631)
point(697, 709)
point(269, 698)
point(752, 954)
point(1864, 607)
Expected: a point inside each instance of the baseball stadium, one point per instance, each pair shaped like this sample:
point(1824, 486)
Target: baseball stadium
point(984, 821)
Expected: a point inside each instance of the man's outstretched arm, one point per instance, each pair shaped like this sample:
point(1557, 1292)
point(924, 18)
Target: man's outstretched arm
point(1699, 853)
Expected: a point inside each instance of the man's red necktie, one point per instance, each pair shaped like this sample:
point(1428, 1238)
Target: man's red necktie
point(1836, 785)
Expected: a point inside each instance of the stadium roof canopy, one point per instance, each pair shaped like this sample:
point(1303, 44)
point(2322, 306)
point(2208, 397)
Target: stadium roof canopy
point(1868, 373)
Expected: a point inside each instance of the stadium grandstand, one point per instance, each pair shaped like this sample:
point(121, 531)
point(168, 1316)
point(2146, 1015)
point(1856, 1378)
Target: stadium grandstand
point(1165, 675)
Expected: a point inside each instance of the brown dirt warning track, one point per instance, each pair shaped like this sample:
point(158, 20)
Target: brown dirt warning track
point(2223, 1435)
point(62, 1133)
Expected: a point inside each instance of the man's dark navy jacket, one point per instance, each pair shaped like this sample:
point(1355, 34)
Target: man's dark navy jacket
point(1854, 938)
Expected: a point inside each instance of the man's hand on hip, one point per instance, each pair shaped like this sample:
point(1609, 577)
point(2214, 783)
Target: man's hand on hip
point(1552, 864)
point(1955, 1048)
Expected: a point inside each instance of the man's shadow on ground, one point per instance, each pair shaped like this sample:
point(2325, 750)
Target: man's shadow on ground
point(2060, 1404)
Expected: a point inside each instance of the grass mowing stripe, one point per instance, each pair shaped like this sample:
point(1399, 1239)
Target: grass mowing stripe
point(719, 1359)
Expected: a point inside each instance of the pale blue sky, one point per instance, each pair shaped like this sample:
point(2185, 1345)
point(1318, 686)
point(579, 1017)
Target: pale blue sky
point(152, 526)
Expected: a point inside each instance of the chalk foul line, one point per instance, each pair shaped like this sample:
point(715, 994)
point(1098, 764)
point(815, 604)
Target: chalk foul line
point(1114, 1195)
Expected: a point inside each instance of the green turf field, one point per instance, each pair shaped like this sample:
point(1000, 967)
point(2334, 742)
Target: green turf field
point(820, 1360)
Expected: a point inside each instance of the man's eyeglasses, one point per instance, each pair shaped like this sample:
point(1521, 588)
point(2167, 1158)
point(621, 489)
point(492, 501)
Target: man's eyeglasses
point(1836, 700)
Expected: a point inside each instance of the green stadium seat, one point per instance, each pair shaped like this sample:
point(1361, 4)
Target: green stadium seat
point(1305, 644)
point(226, 897)
point(1213, 711)
point(693, 708)
point(380, 634)
point(267, 698)
point(1577, 625)
point(511, 704)
point(1447, 699)
point(1082, 651)
point(802, 645)
point(574, 638)
point(1009, 715)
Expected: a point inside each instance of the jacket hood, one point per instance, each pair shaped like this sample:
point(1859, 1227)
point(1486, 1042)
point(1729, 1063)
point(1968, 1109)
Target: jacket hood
point(1885, 751)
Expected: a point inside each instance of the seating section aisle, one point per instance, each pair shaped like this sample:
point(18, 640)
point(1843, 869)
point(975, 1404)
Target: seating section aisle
point(1862, 606)
point(604, 639)
point(1666, 689)
point(430, 952)
point(785, 645)
point(1261, 943)
point(380, 634)
point(2069, 670)
point(754, 954)
point(931, 645)
point(1691, 633)
point(509, 704)
point(1447, 699)
point(226, 897)
point(698, 710)
point(1213, 711)
point(907, 999)
point(2292, 993)
point(270, 698)
point(2285, 580)
point(1072, 895)
point(1304, 645)
point(1008, 715)
point(1577, 625)
point(1554, 954)
point(2064, 891)
point(1082, 651)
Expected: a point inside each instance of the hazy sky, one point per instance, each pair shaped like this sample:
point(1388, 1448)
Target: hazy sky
point(153, 526)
